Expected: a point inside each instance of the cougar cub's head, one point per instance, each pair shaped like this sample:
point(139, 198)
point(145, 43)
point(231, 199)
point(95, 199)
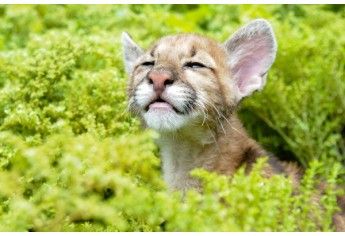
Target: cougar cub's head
point(184, 79)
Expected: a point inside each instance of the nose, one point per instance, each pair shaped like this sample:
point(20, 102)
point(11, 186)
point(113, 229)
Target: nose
point(160, 79)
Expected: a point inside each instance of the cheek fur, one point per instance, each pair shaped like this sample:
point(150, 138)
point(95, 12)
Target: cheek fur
point(206, 88)
point(143, 95)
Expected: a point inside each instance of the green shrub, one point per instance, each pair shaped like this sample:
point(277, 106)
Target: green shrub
point(306, 96)
point(73, 159)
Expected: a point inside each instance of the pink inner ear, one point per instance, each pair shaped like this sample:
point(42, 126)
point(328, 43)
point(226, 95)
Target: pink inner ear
point(252, 59)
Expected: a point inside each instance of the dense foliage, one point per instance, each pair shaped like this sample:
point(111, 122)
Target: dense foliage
point(73, 159)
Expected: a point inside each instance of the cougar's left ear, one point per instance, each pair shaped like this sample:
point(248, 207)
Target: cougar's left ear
point(131, 52)
point(251, 51)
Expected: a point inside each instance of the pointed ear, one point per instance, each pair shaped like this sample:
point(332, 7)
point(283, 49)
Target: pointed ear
point(251, 52)
point(131, 52)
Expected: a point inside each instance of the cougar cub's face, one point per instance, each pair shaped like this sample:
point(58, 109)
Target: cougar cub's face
point(185, 79)
point(176, 81)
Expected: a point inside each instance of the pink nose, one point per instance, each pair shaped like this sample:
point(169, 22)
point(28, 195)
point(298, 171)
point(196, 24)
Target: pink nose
point(159, 79)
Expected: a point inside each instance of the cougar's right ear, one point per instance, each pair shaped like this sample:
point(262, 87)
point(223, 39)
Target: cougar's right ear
point(131, 52)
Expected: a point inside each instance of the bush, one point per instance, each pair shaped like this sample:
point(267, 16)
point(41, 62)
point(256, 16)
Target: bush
point(73, 159)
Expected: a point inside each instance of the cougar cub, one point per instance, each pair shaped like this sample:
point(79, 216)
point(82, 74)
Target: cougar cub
point(187, 87)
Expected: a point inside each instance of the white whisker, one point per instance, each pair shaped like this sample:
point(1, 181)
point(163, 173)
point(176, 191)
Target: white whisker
point(220, 115)
point(215, 141)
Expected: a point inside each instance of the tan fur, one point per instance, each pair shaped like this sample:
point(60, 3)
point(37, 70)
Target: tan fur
point(209, 135)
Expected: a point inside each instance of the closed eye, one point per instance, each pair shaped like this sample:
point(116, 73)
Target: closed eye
point(195, 65)
point(148, 63)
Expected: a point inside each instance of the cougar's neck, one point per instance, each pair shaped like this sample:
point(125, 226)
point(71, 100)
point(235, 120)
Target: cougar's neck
point(181, 152)
point(219, 148)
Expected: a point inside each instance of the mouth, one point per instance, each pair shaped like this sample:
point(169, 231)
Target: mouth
point(161, 105)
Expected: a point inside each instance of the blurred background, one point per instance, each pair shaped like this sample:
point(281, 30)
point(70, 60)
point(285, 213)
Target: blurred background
point(65, 135)
point(300, 115)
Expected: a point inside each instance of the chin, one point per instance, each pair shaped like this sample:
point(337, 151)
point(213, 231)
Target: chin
point(165, 120)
